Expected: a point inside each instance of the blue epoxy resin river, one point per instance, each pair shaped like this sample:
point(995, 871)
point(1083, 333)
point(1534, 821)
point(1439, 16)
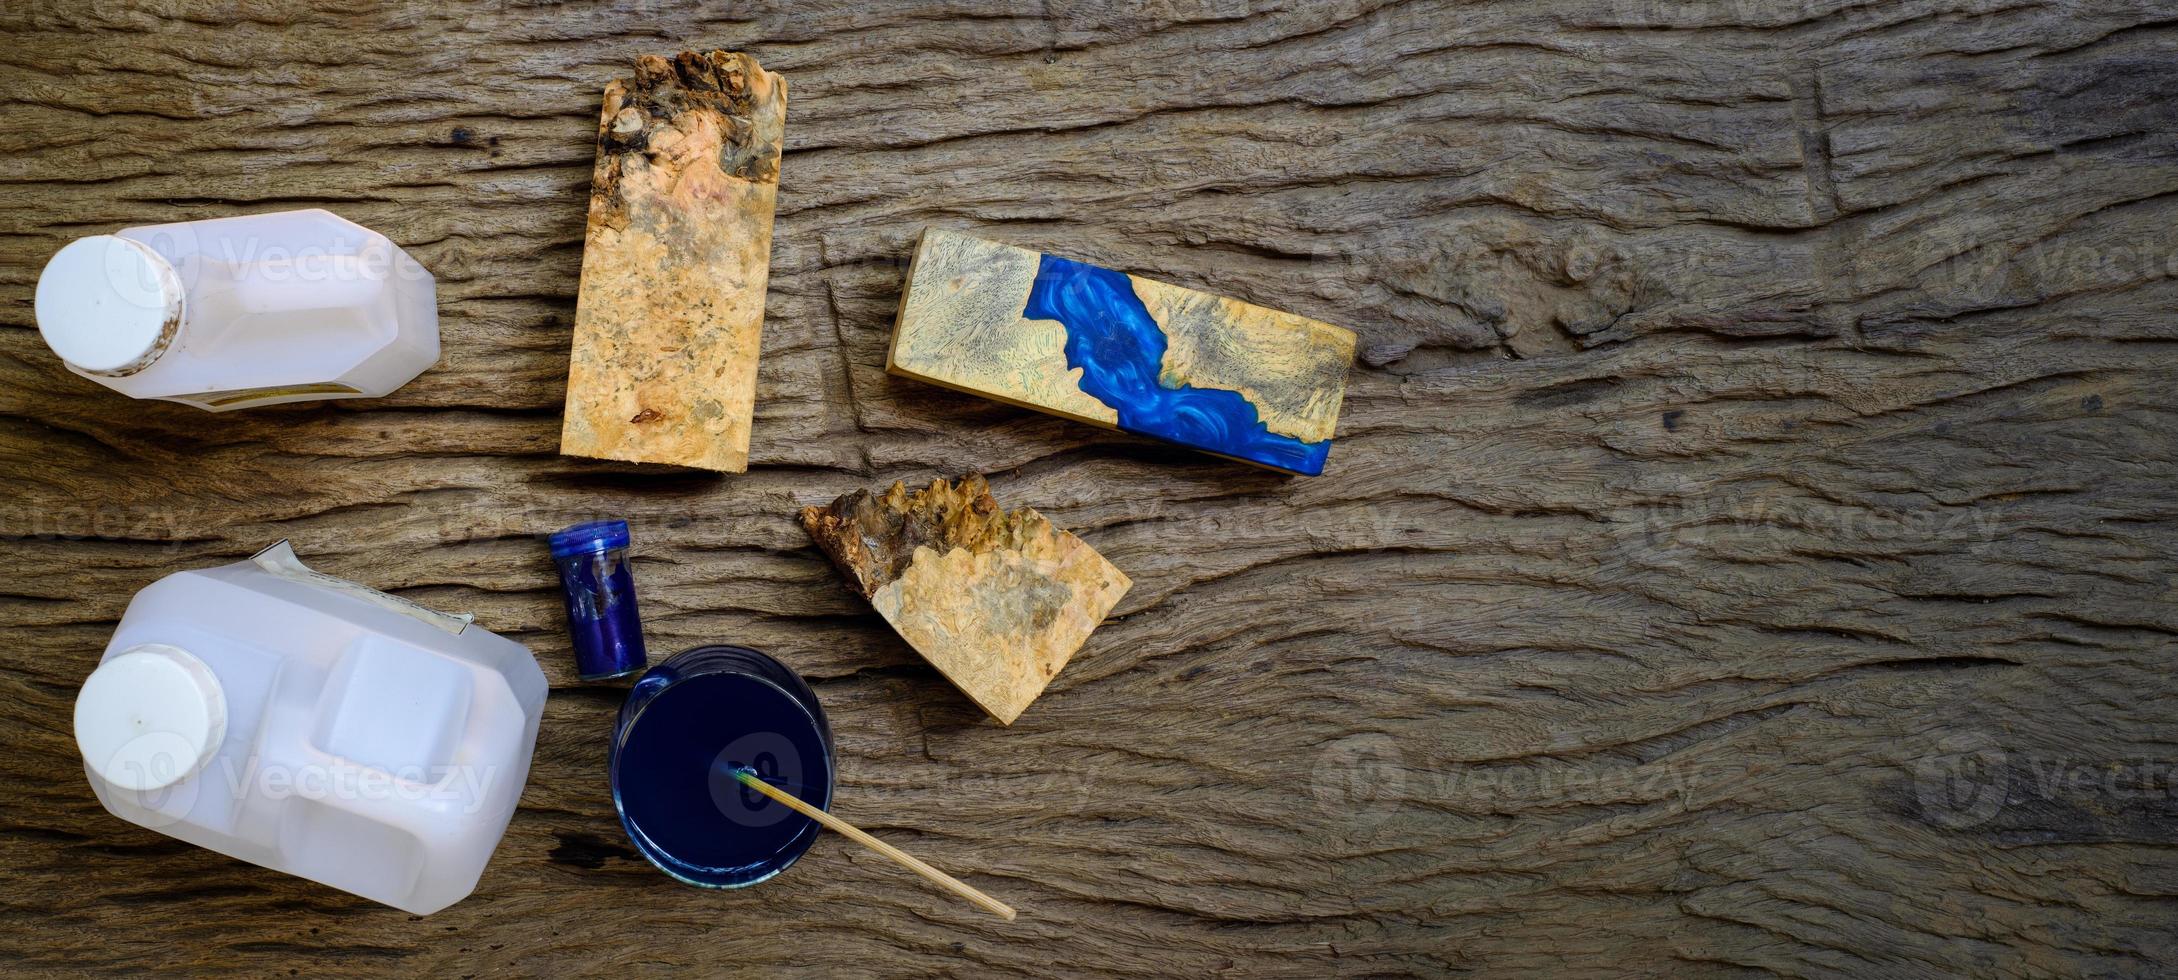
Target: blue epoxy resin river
point(686, 725)
point(1120, 350)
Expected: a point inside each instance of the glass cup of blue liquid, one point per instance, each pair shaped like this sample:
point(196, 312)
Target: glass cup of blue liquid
point(687, 725)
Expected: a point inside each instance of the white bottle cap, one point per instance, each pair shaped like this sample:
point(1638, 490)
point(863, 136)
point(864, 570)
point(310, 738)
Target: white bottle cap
point(108, 305)
point(150, 717)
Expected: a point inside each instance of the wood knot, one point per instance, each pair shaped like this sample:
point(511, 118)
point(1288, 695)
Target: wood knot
point(652, 70)
point(714, 71)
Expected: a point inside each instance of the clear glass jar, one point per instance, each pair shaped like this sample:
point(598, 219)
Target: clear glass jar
point(687, 724)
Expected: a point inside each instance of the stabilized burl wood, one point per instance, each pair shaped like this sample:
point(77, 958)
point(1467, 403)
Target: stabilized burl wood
point(997, 600)
point(1749, 550)
point(1211, 373)
point(674, 266)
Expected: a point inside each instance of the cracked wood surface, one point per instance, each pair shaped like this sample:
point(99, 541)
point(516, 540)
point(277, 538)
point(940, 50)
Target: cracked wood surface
point(1749, 547)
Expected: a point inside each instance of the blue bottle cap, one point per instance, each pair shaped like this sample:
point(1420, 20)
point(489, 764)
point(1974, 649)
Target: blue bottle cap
point(589, 536)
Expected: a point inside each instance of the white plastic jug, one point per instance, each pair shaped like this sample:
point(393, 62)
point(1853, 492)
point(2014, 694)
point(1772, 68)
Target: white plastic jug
point(240, 312)
point(313, 726)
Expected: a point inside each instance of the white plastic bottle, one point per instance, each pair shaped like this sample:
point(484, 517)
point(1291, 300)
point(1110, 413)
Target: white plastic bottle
point(313, 726)
point(240, 312)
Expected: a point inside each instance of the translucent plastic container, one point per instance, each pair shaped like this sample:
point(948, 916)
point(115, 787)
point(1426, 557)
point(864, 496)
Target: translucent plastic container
point(313, 726)
point(602, 619)
point(241, 312)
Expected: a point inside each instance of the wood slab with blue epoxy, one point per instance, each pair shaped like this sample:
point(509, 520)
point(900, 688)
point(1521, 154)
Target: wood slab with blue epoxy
point(1121, 351)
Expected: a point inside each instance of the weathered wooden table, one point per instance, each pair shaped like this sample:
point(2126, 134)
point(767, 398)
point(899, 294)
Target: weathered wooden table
point(1749, 544)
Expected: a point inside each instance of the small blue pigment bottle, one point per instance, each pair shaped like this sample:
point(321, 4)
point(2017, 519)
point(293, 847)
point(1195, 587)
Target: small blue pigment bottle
point(601, 616)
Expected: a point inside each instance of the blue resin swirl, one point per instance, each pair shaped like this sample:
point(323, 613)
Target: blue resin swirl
point(1120, 350)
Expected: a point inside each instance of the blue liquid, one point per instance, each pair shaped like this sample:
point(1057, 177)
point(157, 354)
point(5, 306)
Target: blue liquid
point(687, 725)
point(1120, 350)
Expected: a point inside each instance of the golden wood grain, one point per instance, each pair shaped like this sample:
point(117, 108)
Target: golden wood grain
point(997, 600)
point(668, 324)
point(960, 325)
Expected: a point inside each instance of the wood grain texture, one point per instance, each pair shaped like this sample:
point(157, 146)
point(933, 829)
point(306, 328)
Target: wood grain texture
point(1749, 549)
point(960, 325)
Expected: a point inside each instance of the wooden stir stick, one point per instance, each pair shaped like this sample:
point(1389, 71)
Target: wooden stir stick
point(750, 779)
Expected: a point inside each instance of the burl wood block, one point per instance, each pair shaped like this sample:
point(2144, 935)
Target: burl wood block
point(675, 262)
point(998, 601)
point(1121, 351)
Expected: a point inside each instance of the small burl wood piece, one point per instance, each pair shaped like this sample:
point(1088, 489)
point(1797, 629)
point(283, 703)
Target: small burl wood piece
point(998, 601)
point(675, 263)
